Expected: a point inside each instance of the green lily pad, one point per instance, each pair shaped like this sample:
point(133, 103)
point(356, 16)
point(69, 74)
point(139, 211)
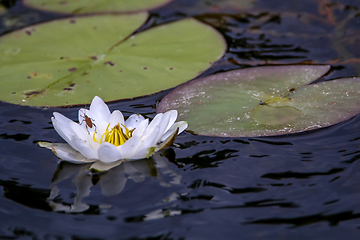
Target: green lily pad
point(69, 61)
point(91, 6)
point(264, 101)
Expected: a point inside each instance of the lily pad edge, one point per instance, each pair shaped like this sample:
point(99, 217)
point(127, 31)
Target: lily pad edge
point(163, 105)
point(25, 3)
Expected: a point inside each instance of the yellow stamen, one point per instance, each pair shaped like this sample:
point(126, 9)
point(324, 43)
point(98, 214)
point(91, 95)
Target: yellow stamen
point(94, 139)
point(105, 133)
point(116, 136)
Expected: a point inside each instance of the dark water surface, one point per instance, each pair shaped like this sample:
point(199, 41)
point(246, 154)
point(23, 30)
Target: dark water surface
point(305, 185)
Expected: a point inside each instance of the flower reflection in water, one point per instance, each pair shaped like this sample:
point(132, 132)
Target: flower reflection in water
point(111, 182)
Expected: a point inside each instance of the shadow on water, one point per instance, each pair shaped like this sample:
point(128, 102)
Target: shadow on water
point(298, 186)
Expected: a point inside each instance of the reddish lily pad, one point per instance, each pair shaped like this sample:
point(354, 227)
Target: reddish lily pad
point(264, 101)
point(86, 6)
point(69, 61)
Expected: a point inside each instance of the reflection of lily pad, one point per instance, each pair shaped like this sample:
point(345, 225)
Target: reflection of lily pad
point(264, 101)
point(70, 61)
point(203, 8)
point(238, 4)
point(2, 9)
point(91, 6)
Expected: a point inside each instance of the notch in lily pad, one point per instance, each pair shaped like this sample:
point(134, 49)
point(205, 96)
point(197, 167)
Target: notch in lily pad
point(264, 101)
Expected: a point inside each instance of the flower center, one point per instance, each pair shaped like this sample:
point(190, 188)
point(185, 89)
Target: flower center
point(116, 136)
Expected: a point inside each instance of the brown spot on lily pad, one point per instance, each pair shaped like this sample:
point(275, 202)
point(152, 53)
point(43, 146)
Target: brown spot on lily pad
point(67, 89)
point(33, 93)
point(94, 58)
point(73, 21)
point(72, 69)
point(71, 85)
point(110, 63)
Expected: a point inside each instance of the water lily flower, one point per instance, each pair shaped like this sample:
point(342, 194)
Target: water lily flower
point(107, 139)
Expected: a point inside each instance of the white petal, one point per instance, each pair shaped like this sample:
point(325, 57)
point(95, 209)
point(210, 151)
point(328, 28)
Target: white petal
point(79, 131)
point(151, 136)
point(48, 145)
point(154, 123)
point(139, 131)
point(147, 143)
point(62, 119)
point(99, 110)
point(129, 147)
point(182, 125)
point(133, 121)
point(143, 153)
point(172, 118)
point(116, 118)
point(108, 153)
point(84, 135)
point(156, 120)
point(69, 154)
point(64, 131)
point(102, 167)
point(167, 142)
point(84, 148)
point(165, 123)
point(65, 152)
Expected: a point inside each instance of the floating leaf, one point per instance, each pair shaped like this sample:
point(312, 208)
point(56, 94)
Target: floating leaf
point(86, 6)
point(269, 115)
point(264, 101)
point(69, 61)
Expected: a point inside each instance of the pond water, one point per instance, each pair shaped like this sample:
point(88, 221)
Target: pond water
point(298, 186)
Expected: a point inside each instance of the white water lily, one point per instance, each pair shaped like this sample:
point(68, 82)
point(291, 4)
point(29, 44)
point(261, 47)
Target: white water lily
point(106, 138)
